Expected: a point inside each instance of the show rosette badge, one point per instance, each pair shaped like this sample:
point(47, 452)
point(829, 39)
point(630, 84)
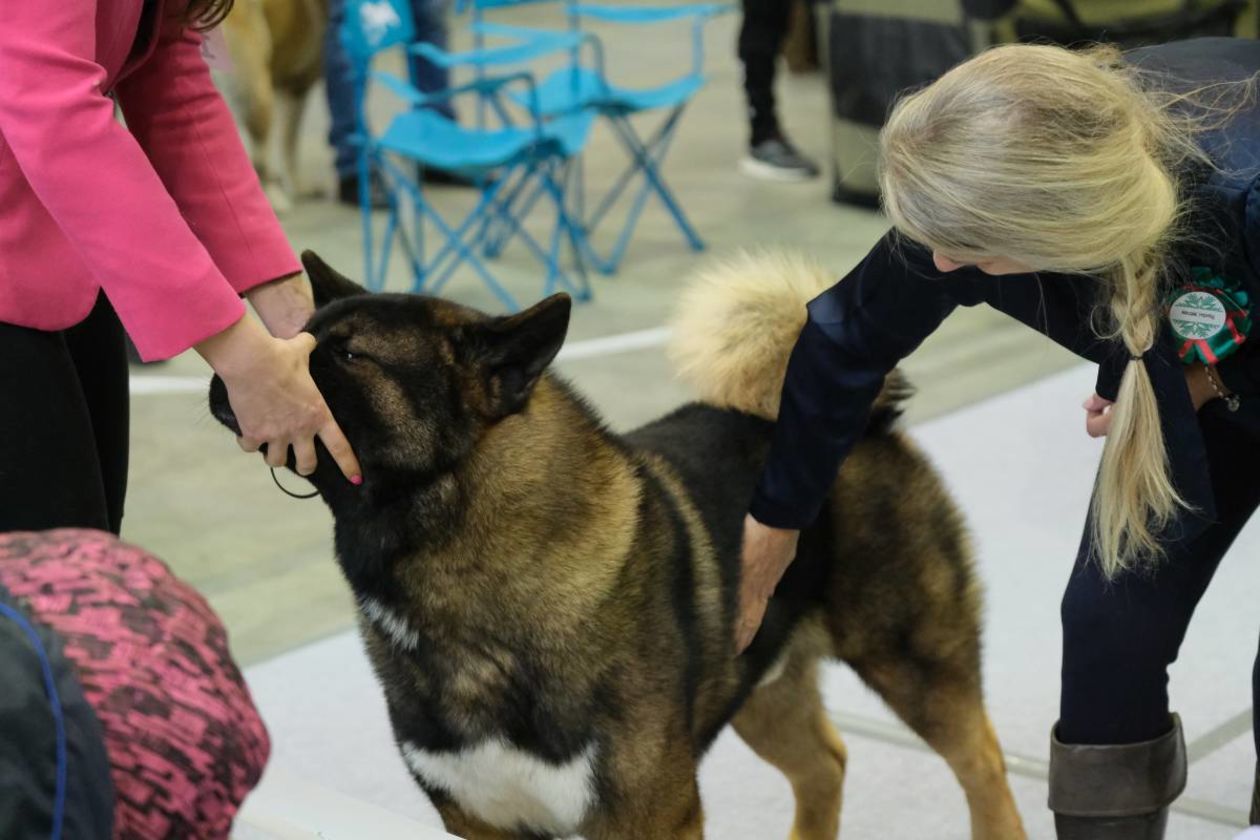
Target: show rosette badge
point(1209, 317)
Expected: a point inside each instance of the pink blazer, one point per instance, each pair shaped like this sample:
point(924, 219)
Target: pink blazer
point(166, 215)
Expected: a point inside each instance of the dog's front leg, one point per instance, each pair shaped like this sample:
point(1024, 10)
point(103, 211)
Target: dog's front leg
point(670, 811)
point(462, 824)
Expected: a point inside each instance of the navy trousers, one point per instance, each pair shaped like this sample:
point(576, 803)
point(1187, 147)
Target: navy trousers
point(1119, 637)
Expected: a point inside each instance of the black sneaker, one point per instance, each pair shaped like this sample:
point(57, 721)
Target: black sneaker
point(778, 160)
point(348, 192)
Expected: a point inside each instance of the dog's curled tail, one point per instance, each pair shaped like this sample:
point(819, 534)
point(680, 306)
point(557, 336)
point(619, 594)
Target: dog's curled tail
point(736, 323)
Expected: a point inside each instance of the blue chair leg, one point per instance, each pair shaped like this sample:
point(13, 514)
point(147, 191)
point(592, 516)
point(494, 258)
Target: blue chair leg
point(530, 243)
point(645, 161)
point(365, 213)
point(417, 258)
point(552, 261)
point(413, 246)
point(556, 276)
point(454, 253)
point(572, 232)
point(632, 169)
point(455, 240)
point(471, 258)
point(611, 197)
point(618, 253)
point(387, 242)
point(649, 159)
point(580, 187)
point(497, 232)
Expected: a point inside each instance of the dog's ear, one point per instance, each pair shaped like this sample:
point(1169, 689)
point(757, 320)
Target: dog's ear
point(510, 353)
point(326, 282)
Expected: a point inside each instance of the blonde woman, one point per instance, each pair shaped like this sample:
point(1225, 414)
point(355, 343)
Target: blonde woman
point(1088, 195)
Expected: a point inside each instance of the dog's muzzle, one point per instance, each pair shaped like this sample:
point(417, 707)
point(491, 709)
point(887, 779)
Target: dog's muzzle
point(220, 408)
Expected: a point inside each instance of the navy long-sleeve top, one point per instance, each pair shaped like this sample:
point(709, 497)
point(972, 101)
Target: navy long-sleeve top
point(861, 328)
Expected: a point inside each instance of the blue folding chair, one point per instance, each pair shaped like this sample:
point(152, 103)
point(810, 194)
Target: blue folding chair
point(580, 87)
point(493, 158)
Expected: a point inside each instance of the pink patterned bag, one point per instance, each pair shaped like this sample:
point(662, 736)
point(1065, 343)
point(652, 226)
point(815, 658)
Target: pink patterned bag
point(185, 743)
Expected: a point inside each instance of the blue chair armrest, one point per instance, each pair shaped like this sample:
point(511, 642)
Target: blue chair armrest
point(484, 86)
point(518, 53)
point(650, 14)
point(698, 13)
point(521, 33)
point(561, 39)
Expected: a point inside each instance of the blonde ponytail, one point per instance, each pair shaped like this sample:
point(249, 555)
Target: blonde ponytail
point(1134, 498)
point(1061, 161)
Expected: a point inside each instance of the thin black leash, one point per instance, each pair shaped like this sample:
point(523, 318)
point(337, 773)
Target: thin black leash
point(289, 492)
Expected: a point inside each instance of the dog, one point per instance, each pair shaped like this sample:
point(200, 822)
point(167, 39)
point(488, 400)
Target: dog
point(549, 607)
point(277, 51)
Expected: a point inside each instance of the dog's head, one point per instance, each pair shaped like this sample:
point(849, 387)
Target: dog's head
point(414, 382)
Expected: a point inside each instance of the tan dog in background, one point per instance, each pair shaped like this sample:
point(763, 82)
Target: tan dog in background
point(277, 51)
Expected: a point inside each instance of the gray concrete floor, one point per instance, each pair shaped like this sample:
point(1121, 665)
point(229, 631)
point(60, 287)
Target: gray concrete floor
point(264, 560)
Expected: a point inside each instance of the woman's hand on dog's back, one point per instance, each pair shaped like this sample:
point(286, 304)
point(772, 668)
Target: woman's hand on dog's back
point(766, 554)
point(274, 399)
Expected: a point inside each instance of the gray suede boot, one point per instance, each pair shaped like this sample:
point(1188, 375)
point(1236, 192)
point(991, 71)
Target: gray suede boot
point(1119, 792)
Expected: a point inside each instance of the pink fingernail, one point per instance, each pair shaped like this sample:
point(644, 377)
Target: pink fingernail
point(356, 480)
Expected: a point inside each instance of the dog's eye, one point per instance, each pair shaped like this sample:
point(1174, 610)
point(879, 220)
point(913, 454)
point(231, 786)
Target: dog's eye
point(342, 352)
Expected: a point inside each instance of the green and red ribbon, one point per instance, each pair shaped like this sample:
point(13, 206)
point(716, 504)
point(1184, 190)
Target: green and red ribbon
point(1208, 292)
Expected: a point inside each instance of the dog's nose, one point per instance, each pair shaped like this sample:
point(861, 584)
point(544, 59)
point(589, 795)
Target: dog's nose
point(220, 407)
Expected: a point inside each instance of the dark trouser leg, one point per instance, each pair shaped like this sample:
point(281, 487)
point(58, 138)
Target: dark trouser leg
point(51, 473)
point(1119, 637)
point(1255, 726)
point(98, 349)
point(339, 86)
point(761, 35)
point(430, 20)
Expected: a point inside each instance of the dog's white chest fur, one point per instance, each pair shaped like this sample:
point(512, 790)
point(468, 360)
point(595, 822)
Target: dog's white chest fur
point(509, 788)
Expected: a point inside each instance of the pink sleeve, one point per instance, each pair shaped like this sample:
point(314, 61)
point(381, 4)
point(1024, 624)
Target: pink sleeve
point(175, 111)
point(95, 180)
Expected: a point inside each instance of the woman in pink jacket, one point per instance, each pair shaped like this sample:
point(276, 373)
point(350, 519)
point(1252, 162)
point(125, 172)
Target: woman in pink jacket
point(158, 228)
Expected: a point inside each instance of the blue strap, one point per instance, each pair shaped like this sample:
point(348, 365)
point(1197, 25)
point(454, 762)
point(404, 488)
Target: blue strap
point(650, 14)
point(59, 723)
